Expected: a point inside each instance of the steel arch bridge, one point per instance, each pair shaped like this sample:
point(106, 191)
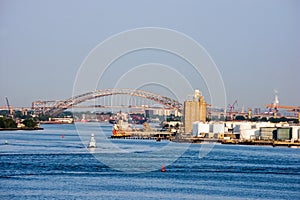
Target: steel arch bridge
point(53, 108)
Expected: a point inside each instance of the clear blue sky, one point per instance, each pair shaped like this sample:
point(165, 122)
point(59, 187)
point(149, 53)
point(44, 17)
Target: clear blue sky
point(254, 43)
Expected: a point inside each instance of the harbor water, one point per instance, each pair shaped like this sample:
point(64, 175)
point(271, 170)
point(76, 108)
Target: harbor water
point(54, 163)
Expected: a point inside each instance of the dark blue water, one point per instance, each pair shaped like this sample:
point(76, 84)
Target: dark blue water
point(43, 165)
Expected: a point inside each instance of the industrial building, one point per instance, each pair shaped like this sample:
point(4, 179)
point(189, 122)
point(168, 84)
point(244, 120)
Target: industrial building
point(194, 110)
point(247, 130)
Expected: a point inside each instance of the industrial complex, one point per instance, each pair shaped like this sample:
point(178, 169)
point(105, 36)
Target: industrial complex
point(238, 131)
point(192, 121)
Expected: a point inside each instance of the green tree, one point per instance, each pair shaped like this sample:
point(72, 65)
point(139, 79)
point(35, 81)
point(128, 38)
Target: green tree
point(283, 119)
point(43, 117)
point(274, 120)
point(10, 123)
point(240, 118)
point(30, 123)
point(166, 126)
point(263, 119)
point(2, 123)
point(254, 119)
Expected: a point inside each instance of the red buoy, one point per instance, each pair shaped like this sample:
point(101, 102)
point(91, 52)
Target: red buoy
point(163, 169)
point(62, 136)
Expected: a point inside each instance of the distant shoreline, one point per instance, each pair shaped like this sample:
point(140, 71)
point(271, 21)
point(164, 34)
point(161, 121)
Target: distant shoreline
point(22, 129)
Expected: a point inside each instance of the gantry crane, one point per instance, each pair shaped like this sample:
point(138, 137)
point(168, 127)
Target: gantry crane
point(294, 109)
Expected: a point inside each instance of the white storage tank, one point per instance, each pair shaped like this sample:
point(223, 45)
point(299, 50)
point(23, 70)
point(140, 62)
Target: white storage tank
point(242, 126)
point(295, 132)
point(203, 128)
point(248, 134)
point(199, 128)
point(218, 128)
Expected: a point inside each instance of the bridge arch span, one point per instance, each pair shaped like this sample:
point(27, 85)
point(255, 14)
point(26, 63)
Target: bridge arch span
point(60, 106)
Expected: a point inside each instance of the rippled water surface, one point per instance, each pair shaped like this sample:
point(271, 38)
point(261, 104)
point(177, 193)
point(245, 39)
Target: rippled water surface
point(55, 164)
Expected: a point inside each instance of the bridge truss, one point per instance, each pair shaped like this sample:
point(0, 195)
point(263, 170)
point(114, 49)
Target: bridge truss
point(53, 108)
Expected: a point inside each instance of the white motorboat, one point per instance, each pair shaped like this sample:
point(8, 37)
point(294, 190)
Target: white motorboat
point(92, 143)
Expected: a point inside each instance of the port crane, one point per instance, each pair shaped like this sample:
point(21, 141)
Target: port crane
point(231, 108)
point(293, 109)
point(289, 108)
point(275, 106)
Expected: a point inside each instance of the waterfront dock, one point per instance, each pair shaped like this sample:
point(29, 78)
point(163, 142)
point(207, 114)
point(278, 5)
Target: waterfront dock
point(262, 143)
point(22, 129)
point(140, 135)
point(158, 136)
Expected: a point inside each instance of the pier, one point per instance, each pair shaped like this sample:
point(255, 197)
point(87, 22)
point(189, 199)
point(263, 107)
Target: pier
point(158, 136)
point(262, 143)
point(140, 135)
